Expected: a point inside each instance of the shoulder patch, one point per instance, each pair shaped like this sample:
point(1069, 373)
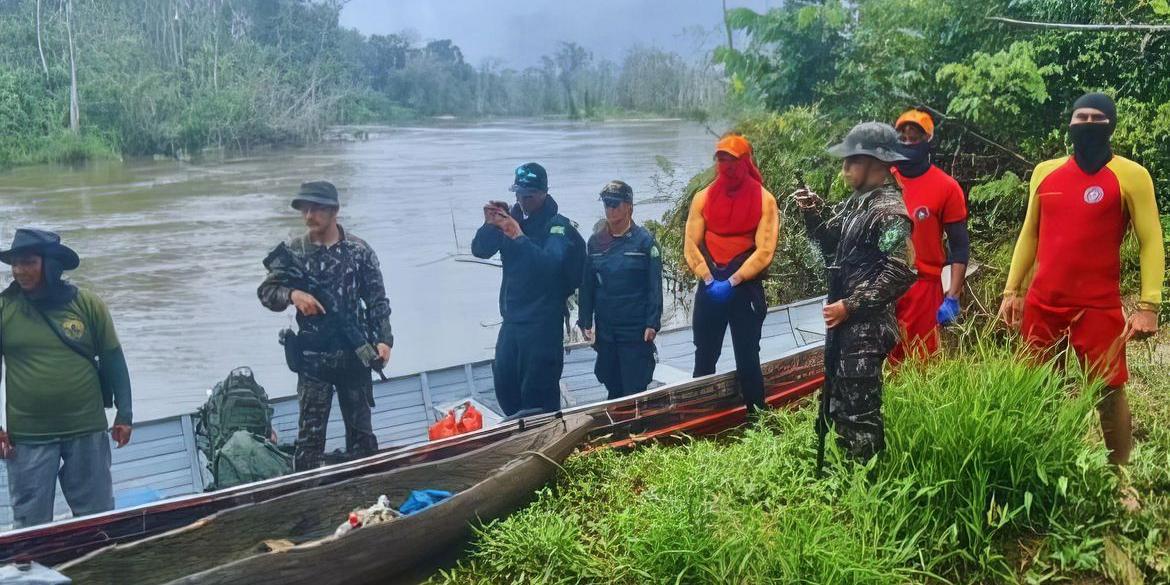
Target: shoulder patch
point(557, 229)
point(893, 236)
point(654, 253)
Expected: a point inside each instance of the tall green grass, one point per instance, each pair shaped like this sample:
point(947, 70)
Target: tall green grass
point(984, 452)
point(61, 147)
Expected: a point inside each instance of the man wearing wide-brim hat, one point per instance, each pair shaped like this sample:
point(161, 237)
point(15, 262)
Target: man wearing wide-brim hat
point(64, 368)
point(865, 242)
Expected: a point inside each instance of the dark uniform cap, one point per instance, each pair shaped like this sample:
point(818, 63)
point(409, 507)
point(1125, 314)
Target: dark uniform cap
point(530, 176)
point(619, 190)
point(43, 243)
point(870, 139)
point(319, 192)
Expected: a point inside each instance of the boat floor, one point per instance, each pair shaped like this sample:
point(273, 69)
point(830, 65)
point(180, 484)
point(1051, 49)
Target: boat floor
point(163, 457)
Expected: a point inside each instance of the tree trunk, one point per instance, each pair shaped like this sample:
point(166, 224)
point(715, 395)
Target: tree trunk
point(40, 47)
point(179, 38)
point(215, 61)
point(571, 103)
point(74, 108)
point(727, 25)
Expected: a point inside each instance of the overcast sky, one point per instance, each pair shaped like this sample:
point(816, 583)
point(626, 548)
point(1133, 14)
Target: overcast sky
point(520, 31)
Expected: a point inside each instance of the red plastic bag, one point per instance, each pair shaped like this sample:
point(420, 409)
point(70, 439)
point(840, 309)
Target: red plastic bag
point(472, 419)
point(444, 428)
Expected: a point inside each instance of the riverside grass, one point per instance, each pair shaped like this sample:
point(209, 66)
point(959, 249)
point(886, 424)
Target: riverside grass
point(993, 473)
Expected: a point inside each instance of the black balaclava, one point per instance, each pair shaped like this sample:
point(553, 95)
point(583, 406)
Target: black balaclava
point(1091, 141)
point(919, 159)
point(56, 291)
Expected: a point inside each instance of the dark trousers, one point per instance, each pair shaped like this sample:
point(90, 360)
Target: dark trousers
point(528, 365)
point(855, 398)
point(745, 313)
point(315, 389)
point(625, 367)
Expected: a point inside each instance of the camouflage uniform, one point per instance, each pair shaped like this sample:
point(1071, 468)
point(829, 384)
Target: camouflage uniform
point(865, 243)
point(350, 273)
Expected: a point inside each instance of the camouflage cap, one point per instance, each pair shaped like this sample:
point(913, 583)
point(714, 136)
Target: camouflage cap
point(870, 139)
point(619, 190)
point(319, 192)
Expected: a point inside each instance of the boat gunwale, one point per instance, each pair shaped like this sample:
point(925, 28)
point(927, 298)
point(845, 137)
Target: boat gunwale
point(390, 455)
point(577, 424)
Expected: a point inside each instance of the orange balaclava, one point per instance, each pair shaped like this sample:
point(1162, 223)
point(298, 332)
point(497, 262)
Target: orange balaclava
point(734, 207)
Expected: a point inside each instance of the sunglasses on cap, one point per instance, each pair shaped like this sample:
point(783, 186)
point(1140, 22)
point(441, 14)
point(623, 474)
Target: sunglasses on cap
point(526, 192)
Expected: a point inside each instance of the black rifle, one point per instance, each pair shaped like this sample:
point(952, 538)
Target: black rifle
point(832, 358)
point(283, 262)
point(832, 353)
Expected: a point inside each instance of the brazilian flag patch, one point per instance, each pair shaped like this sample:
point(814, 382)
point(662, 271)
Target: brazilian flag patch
point(557, 229)
point(654, 252)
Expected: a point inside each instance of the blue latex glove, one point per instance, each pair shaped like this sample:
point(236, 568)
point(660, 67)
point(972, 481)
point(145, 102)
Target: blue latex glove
point(949, 311)
point(720, 291)
point(420, 500)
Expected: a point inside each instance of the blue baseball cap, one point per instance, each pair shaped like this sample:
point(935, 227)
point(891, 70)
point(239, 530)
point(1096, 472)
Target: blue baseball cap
point(530, 176)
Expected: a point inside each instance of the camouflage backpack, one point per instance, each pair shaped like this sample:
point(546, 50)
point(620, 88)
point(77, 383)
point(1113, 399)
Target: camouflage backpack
point(236, 404)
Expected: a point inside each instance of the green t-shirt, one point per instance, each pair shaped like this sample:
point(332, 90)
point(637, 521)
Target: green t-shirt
point(53, 391)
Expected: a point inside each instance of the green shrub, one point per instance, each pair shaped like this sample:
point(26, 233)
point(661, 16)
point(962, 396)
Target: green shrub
point(983, 450)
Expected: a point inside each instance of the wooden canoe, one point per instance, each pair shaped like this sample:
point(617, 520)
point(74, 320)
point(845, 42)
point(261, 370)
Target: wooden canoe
point(228, 547)
point(792, 366)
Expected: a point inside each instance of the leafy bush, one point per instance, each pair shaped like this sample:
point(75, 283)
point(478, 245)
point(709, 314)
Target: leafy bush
point(983, 450)
point(993, 90)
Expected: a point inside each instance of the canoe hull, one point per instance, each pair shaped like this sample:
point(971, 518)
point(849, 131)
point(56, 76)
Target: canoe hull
point(695, 407)
point(490, 482)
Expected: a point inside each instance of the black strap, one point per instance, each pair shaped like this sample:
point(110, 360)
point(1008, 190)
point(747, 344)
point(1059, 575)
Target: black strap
point(726, 270)
point(73, 345)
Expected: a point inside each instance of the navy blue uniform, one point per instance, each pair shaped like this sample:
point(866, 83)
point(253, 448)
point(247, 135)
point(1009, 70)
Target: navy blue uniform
point(530, 348)
point(621, 291)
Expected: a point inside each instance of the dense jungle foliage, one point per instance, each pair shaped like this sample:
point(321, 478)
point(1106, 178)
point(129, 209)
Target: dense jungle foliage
point(1001, 95)
point(81, 79)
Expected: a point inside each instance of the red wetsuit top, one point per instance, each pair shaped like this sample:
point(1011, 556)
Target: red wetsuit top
point(933, 200)
point(1075, 226)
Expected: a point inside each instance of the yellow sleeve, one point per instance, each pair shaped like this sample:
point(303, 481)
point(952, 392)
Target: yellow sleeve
point(696, 229)
point(1024, 256)
point(1137, 190)
point(766, 236)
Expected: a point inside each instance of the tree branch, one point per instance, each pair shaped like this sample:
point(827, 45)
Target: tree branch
point(1094, 27)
